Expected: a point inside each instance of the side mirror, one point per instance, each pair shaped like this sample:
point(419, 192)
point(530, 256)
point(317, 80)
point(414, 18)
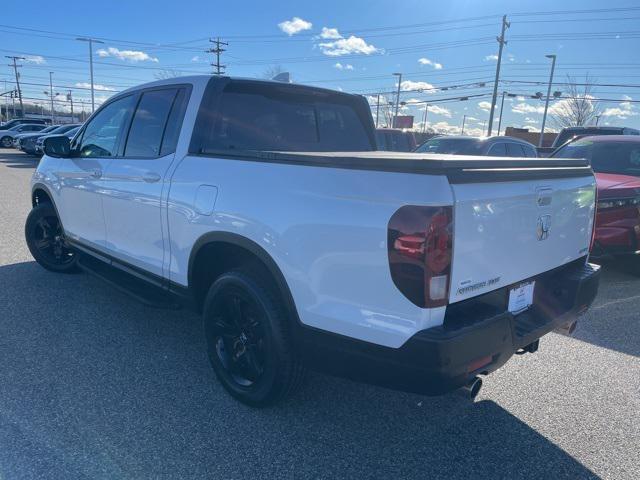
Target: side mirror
point(57, 146)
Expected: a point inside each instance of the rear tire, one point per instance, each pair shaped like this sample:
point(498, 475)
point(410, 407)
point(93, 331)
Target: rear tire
point(248, 338)
point(45, 239)
point(6, 142)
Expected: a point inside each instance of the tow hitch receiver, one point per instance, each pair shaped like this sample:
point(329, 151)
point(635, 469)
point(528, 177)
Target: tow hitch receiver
point(531, 348)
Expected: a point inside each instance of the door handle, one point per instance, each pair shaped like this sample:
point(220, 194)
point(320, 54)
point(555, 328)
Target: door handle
point(151, 177)
point(95, 173)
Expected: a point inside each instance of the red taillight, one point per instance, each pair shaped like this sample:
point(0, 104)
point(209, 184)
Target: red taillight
point(419, 248)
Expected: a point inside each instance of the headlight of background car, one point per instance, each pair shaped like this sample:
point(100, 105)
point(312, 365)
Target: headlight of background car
point(626, 202)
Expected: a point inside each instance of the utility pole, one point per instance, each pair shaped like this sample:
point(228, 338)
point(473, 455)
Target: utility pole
point(70, 98)
point(15, 70)
point(424, 119)
point(546, 103)
point(394, 120)
point(91, 41)
point(217, 50)
point(377, 109)
point(597, 119)
point(464, 119)
point(53, 114)
point(502, 42)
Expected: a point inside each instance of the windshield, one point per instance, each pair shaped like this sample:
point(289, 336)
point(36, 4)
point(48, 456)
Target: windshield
point(622, 158)
point(565, 135)
point(50, 129)
point(456, 146)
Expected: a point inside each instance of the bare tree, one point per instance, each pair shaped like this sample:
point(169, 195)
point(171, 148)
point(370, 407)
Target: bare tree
point(166, 73)
point(578, 109)
point(272, 71)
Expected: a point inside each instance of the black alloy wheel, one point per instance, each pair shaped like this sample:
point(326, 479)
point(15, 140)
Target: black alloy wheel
point(46, 241)
point(249, 340)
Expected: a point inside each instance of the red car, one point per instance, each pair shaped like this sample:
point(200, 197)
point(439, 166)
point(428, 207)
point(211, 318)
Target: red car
point(615, 159)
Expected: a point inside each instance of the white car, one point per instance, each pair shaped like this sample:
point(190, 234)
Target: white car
point(7, 136)
point(264, 206)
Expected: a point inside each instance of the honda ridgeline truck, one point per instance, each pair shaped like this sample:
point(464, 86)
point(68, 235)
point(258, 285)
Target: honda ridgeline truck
point(264, 206)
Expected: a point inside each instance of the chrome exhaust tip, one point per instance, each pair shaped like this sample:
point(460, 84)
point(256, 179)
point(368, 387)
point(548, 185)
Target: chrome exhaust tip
point(472, 388)
point(568, 328)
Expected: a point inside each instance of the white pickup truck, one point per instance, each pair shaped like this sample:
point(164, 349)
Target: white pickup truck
point(264, 206)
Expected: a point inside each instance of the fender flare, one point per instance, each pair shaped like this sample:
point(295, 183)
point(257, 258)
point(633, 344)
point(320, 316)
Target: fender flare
point(265, 258)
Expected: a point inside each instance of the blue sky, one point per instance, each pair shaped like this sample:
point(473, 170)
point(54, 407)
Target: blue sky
point(354, 46)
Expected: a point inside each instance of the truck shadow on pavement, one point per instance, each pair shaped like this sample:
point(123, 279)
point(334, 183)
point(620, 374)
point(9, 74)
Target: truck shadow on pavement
point(613, 321)
point(95, 385)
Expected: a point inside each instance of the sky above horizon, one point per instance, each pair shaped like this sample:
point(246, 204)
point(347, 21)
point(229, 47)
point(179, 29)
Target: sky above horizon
point(445, 50)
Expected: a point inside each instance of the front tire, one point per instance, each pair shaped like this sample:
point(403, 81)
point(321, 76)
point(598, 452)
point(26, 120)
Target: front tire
point(248, 339)
point(6, 142)
point(45, 239)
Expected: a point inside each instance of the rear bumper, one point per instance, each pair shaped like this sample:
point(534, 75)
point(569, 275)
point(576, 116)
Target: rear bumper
point(476, 331)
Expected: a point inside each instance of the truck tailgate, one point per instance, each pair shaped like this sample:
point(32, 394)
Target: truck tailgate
point(509, 230)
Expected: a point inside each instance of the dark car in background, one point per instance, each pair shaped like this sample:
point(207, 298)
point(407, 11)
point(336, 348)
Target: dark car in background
point(20, 136)
point(394, 140)
point(615, 160)
point(569, 133)
point(39, 147)
point(20, 121)
point(27, 142)
point(485, 146)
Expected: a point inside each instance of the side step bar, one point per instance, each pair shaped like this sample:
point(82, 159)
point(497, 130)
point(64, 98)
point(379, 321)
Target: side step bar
point(148, 294)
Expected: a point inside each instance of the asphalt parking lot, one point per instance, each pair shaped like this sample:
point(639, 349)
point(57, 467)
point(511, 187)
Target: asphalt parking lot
point(95, 385)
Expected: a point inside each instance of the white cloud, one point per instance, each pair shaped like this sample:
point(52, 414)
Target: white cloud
point(426, 61)
point(37, 59)
point(329, 33)
point(346, 66)
point(491, 58)
point(195, 59)
point(347, 46)
point(623, 111)
point(486, 106)
point(437, 110)
point(96, 86)
point(131, 55)
point(415, 86)
point(524, 108)
point(295, 25)
point(530, 120)
point(511, 57)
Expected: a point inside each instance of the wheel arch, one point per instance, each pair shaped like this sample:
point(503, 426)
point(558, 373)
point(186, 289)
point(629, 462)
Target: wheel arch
point(235, 250)
point(40, 194)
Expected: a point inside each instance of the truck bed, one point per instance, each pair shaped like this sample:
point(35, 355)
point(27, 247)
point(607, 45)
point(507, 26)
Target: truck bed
point(458, 168)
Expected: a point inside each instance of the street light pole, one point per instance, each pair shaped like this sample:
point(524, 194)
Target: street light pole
point(399, 75)
point(377, 110)
point(91, 41)
point(424, 120)
point(546, 103)
point(464, 119)
point(501, 108)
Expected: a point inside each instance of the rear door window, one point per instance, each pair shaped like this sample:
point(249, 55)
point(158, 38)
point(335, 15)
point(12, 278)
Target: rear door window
point(257, 116)
point(497, 150)
point(514, 150)
point(149, 122)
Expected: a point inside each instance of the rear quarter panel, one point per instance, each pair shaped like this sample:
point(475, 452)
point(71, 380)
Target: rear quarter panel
point(326, 229)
